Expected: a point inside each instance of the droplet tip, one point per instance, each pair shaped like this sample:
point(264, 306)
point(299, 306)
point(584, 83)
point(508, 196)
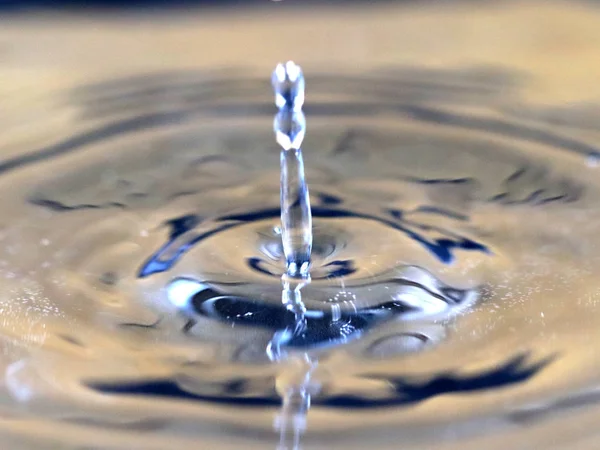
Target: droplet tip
point(288, 71)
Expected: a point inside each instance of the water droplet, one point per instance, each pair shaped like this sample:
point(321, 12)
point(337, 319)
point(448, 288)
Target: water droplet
point(288, 85)
point(296, 217)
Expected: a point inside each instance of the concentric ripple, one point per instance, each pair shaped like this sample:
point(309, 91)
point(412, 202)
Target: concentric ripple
point(453, 270)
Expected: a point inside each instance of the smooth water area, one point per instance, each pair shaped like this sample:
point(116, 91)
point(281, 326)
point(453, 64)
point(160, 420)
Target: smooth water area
point(148, 301)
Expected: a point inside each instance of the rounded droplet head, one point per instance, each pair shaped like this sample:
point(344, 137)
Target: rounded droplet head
point(288, 85)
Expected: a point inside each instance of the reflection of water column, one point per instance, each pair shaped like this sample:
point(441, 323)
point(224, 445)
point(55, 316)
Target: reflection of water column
point(295, 387)
point(294, 384)
point(289, 127)
point(292, 420)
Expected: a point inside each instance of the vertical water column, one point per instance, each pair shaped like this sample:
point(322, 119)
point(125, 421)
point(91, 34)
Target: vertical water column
point(296, 236)
point(290, 127)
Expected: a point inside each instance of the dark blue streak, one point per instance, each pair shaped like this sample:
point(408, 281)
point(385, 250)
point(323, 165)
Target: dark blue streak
point(328, 199)
point(338, 268)
point(441, 180)
point(441, 248)
point(157, 265)
point(406, 391)
point(57, 206)
point(257, 264)
point(343, 269)
point(319, 331)
point(182, 225)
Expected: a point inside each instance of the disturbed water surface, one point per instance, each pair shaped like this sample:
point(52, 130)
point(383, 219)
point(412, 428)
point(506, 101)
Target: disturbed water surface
point(453, 295)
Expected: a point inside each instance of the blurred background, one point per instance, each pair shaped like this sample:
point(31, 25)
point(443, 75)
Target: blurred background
point(28, 5)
